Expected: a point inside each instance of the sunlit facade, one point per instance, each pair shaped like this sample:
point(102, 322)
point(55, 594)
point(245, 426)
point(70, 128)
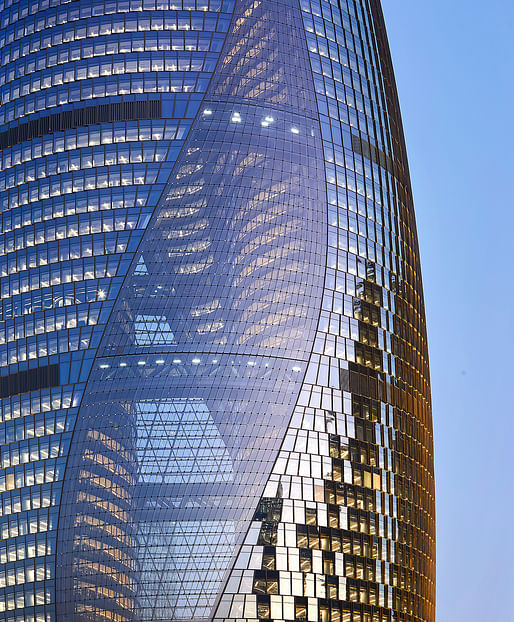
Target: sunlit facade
point(214, 389)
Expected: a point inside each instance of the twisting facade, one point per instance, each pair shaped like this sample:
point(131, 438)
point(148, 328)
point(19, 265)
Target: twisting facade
point(214, 389)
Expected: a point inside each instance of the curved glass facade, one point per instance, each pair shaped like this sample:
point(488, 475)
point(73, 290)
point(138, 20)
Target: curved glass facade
point(214, 388)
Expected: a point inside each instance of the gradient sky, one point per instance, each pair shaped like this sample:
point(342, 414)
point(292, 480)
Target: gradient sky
point(454, 63)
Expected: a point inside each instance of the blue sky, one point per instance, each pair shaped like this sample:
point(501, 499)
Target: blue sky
point(454, 63)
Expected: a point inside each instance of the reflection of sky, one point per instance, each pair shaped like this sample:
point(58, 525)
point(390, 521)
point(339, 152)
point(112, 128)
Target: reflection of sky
point(454, 63)
point(179, 443)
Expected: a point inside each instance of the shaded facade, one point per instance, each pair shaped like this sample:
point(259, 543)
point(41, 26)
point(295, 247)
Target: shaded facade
point(215, 393)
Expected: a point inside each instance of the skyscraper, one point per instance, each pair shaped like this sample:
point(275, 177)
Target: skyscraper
point(215, 393)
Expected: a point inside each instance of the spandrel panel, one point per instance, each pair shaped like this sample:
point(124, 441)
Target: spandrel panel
point(210, 335)
point(214, 385)
point(346, 523)
point(95, 104)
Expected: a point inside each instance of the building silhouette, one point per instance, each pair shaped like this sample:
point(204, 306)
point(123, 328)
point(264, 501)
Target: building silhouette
point(215, 401)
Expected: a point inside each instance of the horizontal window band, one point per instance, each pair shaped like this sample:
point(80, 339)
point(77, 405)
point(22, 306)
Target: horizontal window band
point(30, 380)
point(70, 119)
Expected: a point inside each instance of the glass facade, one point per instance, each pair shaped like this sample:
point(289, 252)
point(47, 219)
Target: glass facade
point(214, 388)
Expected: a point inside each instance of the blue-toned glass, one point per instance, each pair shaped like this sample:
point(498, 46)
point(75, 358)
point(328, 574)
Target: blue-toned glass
point(95, 103)
point(214, 387)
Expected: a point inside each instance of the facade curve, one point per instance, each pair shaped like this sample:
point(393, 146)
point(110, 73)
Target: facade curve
point(215, 394)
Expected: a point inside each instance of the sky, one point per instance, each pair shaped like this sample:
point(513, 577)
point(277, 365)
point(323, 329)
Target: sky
point(454, 65)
